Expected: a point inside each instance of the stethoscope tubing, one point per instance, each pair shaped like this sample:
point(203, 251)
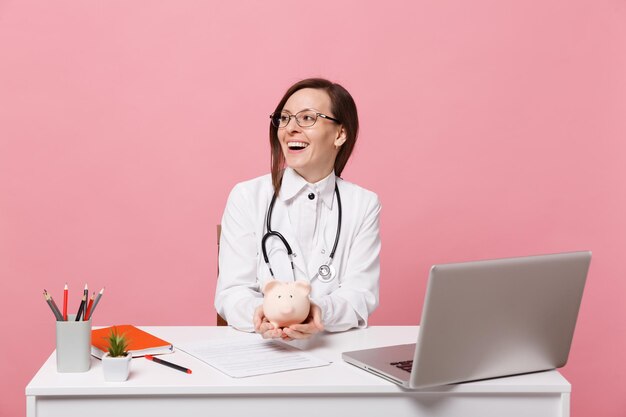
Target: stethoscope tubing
point(339, 212)
point(273, 233)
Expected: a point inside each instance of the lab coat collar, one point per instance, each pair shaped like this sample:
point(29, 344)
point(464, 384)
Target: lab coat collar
point(293, 184)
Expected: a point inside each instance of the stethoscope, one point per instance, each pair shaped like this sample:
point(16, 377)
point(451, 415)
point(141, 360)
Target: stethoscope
point(326, 272)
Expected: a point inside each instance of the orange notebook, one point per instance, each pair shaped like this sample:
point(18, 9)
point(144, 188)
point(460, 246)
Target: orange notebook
point(140, 343)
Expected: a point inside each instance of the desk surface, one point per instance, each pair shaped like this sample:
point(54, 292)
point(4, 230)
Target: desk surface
point(148, 378)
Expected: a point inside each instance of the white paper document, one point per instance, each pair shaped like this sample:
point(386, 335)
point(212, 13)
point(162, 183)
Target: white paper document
point(242, 358)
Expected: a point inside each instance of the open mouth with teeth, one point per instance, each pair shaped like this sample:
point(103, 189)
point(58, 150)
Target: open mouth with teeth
point(297, 146)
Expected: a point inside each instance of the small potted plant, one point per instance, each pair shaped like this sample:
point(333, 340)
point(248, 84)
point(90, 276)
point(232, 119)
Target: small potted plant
point(116, 361)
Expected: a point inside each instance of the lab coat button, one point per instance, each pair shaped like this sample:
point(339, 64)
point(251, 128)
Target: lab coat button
point(311, 196)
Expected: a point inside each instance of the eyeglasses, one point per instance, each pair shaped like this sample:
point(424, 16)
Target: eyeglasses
point(304, 118)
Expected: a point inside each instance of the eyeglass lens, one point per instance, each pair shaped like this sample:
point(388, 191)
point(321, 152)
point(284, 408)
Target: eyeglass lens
point(306, 118)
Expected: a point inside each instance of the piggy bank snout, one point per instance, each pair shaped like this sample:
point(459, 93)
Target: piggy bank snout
point(286, 303)
point(289, 303)
point(287, 310)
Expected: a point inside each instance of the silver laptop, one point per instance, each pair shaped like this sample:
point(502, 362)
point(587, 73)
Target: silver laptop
point(488, 319)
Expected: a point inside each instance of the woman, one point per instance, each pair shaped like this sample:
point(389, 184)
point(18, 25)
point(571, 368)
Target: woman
point(312, 134)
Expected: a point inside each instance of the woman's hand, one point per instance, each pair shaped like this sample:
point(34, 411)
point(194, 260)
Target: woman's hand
point(313, 324)
point(264, 327)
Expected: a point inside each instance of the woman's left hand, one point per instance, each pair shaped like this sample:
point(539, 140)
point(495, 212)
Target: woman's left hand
point(313, 324)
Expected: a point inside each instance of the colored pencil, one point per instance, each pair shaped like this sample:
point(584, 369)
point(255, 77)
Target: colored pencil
point(88, 310)
point(86, 294)
point(65, 292)
point(54, 305)
point(81, 308)
point(55, 310)
point(170, 364)
point(95, 303)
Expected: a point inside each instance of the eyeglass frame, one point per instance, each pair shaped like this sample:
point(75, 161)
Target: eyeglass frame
point(295, 116)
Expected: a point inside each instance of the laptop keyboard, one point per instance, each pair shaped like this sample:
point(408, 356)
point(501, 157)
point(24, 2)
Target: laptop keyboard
point(404, 365)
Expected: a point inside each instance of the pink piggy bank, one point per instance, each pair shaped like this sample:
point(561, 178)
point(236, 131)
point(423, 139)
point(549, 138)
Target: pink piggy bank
point(286, 303)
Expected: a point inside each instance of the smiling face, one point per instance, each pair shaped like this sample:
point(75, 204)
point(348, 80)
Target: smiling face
point(311, 151)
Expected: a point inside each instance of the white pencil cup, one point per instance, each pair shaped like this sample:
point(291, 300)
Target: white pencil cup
point(73, 345)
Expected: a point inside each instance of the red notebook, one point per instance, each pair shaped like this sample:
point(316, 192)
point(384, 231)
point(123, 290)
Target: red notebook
point(140, 342)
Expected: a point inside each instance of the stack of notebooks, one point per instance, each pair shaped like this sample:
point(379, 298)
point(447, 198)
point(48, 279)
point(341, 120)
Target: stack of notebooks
point(140, 343)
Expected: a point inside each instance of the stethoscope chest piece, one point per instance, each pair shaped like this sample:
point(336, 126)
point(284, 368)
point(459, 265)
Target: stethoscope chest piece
point(326, 273)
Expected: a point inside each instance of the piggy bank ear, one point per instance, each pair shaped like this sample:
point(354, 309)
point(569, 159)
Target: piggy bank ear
point(303, 286)
point(272, 283)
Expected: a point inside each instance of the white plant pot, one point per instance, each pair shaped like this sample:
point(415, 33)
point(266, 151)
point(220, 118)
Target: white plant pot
point(116, 369)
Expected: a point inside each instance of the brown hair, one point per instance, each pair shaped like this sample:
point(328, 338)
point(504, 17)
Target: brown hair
point(343, 108)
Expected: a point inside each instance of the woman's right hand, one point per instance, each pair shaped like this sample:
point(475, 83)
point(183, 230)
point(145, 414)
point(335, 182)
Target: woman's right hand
point(264, 327)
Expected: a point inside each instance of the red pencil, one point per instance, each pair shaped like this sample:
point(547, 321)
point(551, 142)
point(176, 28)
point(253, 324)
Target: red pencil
point(95, 303)
point(65, 302)
point(89, 306)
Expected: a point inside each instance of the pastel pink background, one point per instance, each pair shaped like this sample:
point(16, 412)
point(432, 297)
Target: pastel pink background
point(489, 129)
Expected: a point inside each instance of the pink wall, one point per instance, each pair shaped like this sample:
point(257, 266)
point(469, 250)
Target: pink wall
point(489, 129)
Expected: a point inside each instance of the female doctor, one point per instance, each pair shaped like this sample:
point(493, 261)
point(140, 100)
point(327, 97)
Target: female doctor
point(309, 223)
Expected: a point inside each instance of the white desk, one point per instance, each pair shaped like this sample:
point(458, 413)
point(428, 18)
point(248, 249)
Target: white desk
point(336, 390)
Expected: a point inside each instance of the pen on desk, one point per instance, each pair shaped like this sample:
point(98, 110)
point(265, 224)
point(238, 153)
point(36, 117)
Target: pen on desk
point(95, 303)
point(89, 306)
point(81, 308)
point(50, 301)
point(65, 291)
point(166, 363)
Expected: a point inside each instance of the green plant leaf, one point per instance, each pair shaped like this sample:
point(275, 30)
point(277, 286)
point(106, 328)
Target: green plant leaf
point(118, 343)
